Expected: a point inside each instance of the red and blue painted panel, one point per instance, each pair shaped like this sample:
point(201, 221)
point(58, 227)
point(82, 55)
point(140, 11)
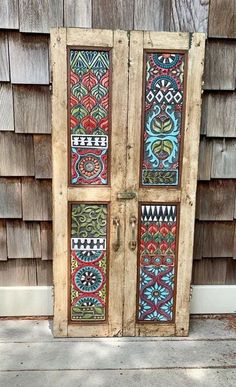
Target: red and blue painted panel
point(157, 263)
point(89, 116)
point(88, 262)
point(163, 109)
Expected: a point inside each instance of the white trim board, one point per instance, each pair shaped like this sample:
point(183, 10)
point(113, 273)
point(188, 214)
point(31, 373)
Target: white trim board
point(38, 300)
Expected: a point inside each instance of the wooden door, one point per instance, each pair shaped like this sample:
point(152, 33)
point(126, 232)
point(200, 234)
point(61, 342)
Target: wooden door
point(126, 111)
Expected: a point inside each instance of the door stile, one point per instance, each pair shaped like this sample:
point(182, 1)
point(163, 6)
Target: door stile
point(189, 180)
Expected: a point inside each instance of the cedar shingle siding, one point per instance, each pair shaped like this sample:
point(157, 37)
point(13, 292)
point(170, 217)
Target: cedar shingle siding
point(25, 117)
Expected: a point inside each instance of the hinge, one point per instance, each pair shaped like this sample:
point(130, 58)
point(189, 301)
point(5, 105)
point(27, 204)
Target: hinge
point(52, 290)
point(190, 40)
point(190, 293)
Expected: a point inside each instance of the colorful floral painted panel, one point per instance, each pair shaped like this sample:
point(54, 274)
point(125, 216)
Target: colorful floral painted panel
point(89, 116)
point(157, 263)
point(164, 88)
point(88, 262)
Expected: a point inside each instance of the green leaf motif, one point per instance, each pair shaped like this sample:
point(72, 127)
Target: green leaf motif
point(162, 149)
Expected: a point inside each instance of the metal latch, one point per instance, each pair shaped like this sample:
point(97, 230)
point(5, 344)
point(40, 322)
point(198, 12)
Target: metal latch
point(126, 195)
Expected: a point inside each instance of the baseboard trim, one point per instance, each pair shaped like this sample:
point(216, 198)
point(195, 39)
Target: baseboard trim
point(213, 299)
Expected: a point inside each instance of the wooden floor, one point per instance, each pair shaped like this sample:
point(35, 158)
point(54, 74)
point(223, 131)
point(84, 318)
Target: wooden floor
point(30, 356)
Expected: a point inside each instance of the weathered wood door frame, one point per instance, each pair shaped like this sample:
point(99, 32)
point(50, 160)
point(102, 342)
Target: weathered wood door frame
point(127, 56)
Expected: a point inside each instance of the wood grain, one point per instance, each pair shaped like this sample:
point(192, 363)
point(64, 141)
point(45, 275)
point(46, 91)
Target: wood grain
point(218, 239)
point(220, 73)
point(29, 58)
point(40, 15)
point(152, 15)
point(189, 16)
point(43, 156)
point(116, 14)
point(212, 198)
point(18, 272)
point(6, 107)
point(23, 239)
point(230, 272)
point(224, 159)
point(77, 13)
point(44, 272)
point(10, 198)
point(3, 240)
point(17, 154)
point(210, 271)
point(36, 199)
point(205, 159)
point(46, 240)
point(222, 19)
point(4, 58)
point(32, 108)
point(198, 240)
point(9, 15)
point(219, 114)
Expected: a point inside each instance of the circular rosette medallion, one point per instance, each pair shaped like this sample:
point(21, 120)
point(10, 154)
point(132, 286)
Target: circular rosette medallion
point(88, 279)
point(90, 166)
point(89, 256)
point(166, 60)
point(89, 301)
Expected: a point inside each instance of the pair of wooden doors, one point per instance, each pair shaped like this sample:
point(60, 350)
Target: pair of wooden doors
point(126, 115)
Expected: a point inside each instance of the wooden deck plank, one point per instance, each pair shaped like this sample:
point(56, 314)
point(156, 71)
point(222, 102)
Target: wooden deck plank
point(6, 107)
point(23, 239)
point(78, 13)
point(4, 58)
point(189, 16)
point(222, 19)
point(17, 154)
point(40, 15)
point(29, 58)
point(32, 108)
point(224, 159)
point(116, 14)
point(43, 156)
point(10, 198)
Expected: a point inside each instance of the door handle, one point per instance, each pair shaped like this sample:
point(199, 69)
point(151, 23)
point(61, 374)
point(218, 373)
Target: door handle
point(116, 244)
point(133, 243)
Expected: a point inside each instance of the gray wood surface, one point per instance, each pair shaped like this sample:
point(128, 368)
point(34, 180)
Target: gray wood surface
point(46, 240)
point(205, 159)
point(9, 14)
point(40, 15)
point(215, 200)
point(222, 19)
point(4, 58)
point(29, 58)
point(3, 240)
point(32, 106)
point(17, 154)
point(218, 240)
point(210, 271)
point(6, 107)
point(224, 159)
point(219, 114)
point(44, 272)
point(36, 199)
point(219, 71)
point(116, 14)
point(152, 15)
point(77, 13)
point(189, 16)
point(18, 272)
point(198, 239)
point(43, 156)
point(23, 239)
point(10, 198)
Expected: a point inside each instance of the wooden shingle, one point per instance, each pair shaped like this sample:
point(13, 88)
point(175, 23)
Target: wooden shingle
point(18, 272)
point(205, 159)
point(6, 107)
point(46, 240)
point(198, 240)
point(215, 200)
point(43, 156)
point(77, 13)
point(9, 14)
point(10, 198)
point(219, 71)
point(210, 271)
point(218, 115)
point(224, 159)
point(32, 107)
point(23, 239)
point(44, 272)
point(36, 199)
point(218, 239)
point(117, 14)
point(189, 16)
point(17, 154)
point(222, 19)
point(4, 58)
point(40, 15)
point(231, 272)
point(29, 58)
point(3, 241)
point(152, 15)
